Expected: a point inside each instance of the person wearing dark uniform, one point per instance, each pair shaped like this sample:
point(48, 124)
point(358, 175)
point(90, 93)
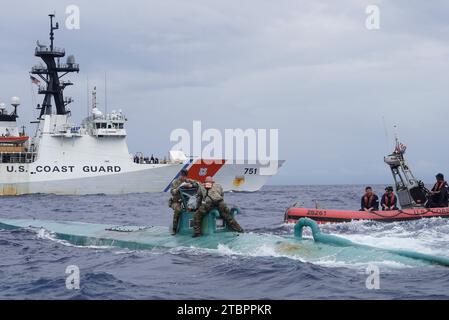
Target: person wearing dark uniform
point(370, 201)
point(438, 197)
point(389, 200)
point(175, 200)
point(211, 195)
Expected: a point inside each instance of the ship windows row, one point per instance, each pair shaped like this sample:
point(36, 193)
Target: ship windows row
point(104, 125)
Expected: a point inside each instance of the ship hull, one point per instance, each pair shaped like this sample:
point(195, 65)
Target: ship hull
point(335, 216)
point(73, 179)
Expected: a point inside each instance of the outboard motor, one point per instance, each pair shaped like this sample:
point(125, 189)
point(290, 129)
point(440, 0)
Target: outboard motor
point(411, 192)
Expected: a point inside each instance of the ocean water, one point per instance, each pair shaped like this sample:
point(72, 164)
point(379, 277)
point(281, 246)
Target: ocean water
point(32, 265)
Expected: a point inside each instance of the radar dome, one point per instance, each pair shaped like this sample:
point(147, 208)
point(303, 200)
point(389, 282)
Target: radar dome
point(2, 106)
point(96, 113)
point(71, 59)
point(15, 101)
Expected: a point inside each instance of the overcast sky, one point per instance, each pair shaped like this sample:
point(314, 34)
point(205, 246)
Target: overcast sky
point(308, 68)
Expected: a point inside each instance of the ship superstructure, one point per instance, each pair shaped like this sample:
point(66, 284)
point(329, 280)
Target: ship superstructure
point(93, 157)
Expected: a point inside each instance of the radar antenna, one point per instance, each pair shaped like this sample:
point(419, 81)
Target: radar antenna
point(52, 72)
point(52, 28)
point(411, 192)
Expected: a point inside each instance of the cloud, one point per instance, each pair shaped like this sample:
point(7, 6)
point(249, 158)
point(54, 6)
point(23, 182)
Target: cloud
point(309, 68)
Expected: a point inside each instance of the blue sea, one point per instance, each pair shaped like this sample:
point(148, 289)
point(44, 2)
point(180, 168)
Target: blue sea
point(33, 265)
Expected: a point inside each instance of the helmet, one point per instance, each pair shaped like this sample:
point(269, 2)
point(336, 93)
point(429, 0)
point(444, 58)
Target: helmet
point(440, 176)
point(389, 188)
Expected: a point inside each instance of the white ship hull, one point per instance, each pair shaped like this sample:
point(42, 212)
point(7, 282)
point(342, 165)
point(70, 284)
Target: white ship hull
point(134, 178)
point(77, 163)
point(81, 161)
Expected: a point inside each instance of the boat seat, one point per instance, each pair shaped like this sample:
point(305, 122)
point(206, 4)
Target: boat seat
point(419, 195)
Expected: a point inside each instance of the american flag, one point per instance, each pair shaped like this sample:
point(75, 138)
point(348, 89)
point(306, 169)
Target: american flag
point(400, 148)
point(34, 80)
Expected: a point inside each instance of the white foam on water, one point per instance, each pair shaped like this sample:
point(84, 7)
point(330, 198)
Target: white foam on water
point(263, 250)
point(191, 250)
point(387, 264)
point(126, 252)
point(389, 242)
point(325, 261)
point(268, 250)
point(429, 236)
point(48, 235)
point(225, 250)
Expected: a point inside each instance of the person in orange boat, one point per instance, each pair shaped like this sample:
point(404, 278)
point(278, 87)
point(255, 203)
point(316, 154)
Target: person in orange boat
point(438, 197)
point(370, 201)
point(389, 200)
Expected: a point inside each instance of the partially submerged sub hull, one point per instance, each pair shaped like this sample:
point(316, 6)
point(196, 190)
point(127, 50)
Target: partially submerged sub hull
point(317, 250)
point(130, 237)
point(334, 216)
point(133, 237)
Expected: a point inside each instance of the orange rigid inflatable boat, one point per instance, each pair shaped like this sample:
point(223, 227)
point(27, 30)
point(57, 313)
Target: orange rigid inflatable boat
point(412, 195)
point(293, 214)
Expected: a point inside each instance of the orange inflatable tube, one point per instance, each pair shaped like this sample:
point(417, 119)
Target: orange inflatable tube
point(293, 214)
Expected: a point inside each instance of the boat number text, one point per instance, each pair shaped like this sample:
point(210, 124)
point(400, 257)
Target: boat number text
point(316, 213)
point(250, 171)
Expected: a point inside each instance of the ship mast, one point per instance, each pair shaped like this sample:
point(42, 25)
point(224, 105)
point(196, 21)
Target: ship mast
point(411, 192)
point(52, 73)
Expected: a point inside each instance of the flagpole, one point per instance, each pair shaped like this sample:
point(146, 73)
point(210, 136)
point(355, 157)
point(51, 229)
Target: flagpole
point(105, 94)
point(87, 95)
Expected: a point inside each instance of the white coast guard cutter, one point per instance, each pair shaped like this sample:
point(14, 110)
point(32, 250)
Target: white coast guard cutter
point(91, 158)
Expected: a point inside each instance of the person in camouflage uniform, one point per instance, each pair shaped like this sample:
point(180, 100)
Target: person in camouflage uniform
point(175, 201)
point(211, 195)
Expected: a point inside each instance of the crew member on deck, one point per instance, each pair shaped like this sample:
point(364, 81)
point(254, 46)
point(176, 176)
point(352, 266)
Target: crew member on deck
point(438, 197)
point(175, 200)
point(389, 200)
point(211, 195)
point(370, 201)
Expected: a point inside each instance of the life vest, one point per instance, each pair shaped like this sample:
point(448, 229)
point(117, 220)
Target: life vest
point(390, 199)
point(439, 185)
point(212, 195)
point(368, 200)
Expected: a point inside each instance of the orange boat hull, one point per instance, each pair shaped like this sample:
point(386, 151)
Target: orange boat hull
point(14, 140)
point(335, 216)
